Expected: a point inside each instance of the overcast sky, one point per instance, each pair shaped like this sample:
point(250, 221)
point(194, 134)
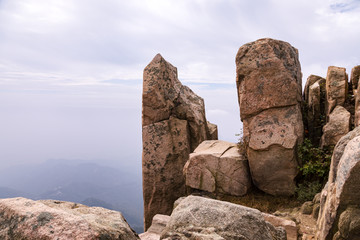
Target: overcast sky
point(71, 71)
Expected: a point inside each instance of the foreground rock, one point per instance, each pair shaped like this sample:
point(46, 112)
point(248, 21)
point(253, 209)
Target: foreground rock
point(338, 126)
point(217, 166)
point(22, 218)
point(336, 88)
point(174, 124)
point(338, 217)
point(269, 89)
point(158, 224)
point(203, 218)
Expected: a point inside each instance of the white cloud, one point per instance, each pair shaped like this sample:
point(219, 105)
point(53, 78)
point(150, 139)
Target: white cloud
point(63, 53)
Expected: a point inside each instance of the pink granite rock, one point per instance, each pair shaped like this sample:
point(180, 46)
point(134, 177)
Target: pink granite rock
point(217, 166)
point(22, 218)
point(173, 125)
point(269, 89)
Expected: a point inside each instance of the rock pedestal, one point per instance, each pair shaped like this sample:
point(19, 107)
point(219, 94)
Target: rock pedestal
point(22, 218)
point(269, 90)
point(173, 125)
point(217, 166)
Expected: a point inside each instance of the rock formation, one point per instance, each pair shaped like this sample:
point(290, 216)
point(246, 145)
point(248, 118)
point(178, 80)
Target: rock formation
point(269, 90)
point(314, 117)
point(22, 218)
point(217, 166)
point(354, 78)
point(341, 195)
point(173, 125)
point(338, 126)
point(203, 218)
point(336, 88)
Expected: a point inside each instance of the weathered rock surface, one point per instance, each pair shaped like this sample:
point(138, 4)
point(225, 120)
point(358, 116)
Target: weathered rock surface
point(338, 126)
point(217, 166)
point(288, 225)
point(357, 107)
point(174, 124)
point(315, 101)
point(157, 226)
point(203, 218)
point(269, 89)
point(22, 218)
point(354, 78)
point(310, 81)
point(336, 88)
point(341, 192)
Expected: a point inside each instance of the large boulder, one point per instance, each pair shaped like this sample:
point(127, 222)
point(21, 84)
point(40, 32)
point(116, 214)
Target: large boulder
point(173, 125)
point(22, 218)
point(336, 88)
point(269, 90)
point(208, 219)
point(342, 192)
point(217, 166)
point(338, 126)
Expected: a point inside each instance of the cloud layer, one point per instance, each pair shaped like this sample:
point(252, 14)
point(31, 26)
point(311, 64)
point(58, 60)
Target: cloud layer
point(73, 69)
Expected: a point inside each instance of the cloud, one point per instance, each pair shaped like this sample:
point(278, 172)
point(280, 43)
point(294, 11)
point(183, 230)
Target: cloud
point(62, 57)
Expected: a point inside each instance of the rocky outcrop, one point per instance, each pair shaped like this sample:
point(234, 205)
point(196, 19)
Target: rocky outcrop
point(314, 96)
point(173, 125)
point(158, 224)
point(203, 218)
point(217, 167)
point(336, 88)
point(342, 191)
point(269, 90)
point(22, 218)
point(338, 126)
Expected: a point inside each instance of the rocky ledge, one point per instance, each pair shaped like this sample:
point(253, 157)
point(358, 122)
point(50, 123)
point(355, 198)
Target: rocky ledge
point(22, 218)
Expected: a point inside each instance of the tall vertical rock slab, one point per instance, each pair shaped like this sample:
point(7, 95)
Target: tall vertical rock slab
point(354, 78)
point(173, 125)
point(269, 89)
point(314, 95)
point(336, 88)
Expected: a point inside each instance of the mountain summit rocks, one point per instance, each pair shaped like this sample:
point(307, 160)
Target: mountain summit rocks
point(173, 125)
point(268, 77)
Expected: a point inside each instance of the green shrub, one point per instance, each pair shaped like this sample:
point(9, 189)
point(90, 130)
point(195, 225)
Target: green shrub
point(314, 170)
point(307, 190)
point(315, 162)
point(242, 145)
